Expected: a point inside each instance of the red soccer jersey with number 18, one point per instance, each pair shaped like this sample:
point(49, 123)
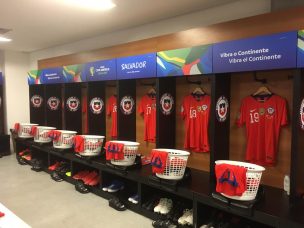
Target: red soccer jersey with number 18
point(263, 123)
point(112, 111)
point(196, 116)
point(147, 107)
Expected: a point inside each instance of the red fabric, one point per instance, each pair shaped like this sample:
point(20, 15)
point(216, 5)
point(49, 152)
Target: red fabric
point(230, 179)
point(95, 181)
point(114, 151)
point(1, 214)
point(80, 175)
point(17, 127)
point(263, 122)
point(54, 135)
point(196, 117)
point(90, 177)
point(54, 166)
point(78, 144)
point(158, 161)
point(147, 107)
point(24, 152)
point(33, 130)
point(112, 111)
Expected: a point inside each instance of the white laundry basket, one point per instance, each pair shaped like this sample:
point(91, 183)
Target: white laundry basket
point(253, 178)
point(176, 164)
point(41, 135)
point(92, 145)
point(25, 130)
point(130, 151)
point(65, 140)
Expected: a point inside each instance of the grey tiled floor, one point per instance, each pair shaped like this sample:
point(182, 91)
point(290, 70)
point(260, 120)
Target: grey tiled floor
point(42, 202)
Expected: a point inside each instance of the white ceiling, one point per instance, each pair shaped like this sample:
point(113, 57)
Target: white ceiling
point(40, 24)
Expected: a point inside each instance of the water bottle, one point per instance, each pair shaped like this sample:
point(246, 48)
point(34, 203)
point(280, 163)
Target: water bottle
point(287, 184)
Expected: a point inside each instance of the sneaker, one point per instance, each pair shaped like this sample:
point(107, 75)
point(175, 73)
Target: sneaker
point(134, 199)
point(116, 186)
point(159, 206)
point(189, 218)
point(182, 219)
point(166, 208)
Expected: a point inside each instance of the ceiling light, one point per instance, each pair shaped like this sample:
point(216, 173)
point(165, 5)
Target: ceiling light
point(3, 39)
point(93, 4)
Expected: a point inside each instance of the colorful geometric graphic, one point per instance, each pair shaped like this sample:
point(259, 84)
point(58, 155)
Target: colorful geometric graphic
point(185, 61)
point(72, 73)
point(33, 77)
point(300, 59)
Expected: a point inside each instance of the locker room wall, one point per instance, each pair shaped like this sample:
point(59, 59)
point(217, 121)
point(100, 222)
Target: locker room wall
point(242, 85)
point(183, 88)
point(141, 90)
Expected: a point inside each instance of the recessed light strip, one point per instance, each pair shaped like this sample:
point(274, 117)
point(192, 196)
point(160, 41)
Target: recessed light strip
point(3, 39)
point(93, 4)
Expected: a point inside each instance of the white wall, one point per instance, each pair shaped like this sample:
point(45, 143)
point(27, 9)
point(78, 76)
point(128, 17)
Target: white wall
point(16, 66)
point(231, 11)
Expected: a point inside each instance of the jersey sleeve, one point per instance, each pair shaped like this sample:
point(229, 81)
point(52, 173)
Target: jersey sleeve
point(241, 117)
point(284, 117)
point(141, 109)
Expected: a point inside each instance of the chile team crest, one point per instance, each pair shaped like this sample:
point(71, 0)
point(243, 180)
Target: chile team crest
point(166, 103)
point(96, 105)
point(127, 105)
point(36, 101)
point(53, 103)
point(302, 115)
point(73, 104)
point(222, 109)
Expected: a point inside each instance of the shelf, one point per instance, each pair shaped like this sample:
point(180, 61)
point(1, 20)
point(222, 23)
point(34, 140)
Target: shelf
point(273, 209)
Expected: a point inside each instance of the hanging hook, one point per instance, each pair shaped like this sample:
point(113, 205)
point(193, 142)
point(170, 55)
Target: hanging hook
point(262, 80)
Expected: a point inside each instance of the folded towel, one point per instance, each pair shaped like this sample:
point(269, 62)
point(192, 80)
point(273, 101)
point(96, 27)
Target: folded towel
point(114, 150)
point(79, 144)
point(158, 161)
point(54, 135)
point(231, 179)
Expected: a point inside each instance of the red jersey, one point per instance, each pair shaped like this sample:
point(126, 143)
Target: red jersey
point(112, 111)
point(195, 113)
point(263, 121)
point(147, 107)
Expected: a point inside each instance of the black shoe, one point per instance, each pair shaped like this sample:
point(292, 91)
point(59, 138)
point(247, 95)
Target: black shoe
point(56, 176)
point(21, 161)
point(152, 204)
point(81, 187)
point(163, 224)
point(37, 165)
point(117, 204)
